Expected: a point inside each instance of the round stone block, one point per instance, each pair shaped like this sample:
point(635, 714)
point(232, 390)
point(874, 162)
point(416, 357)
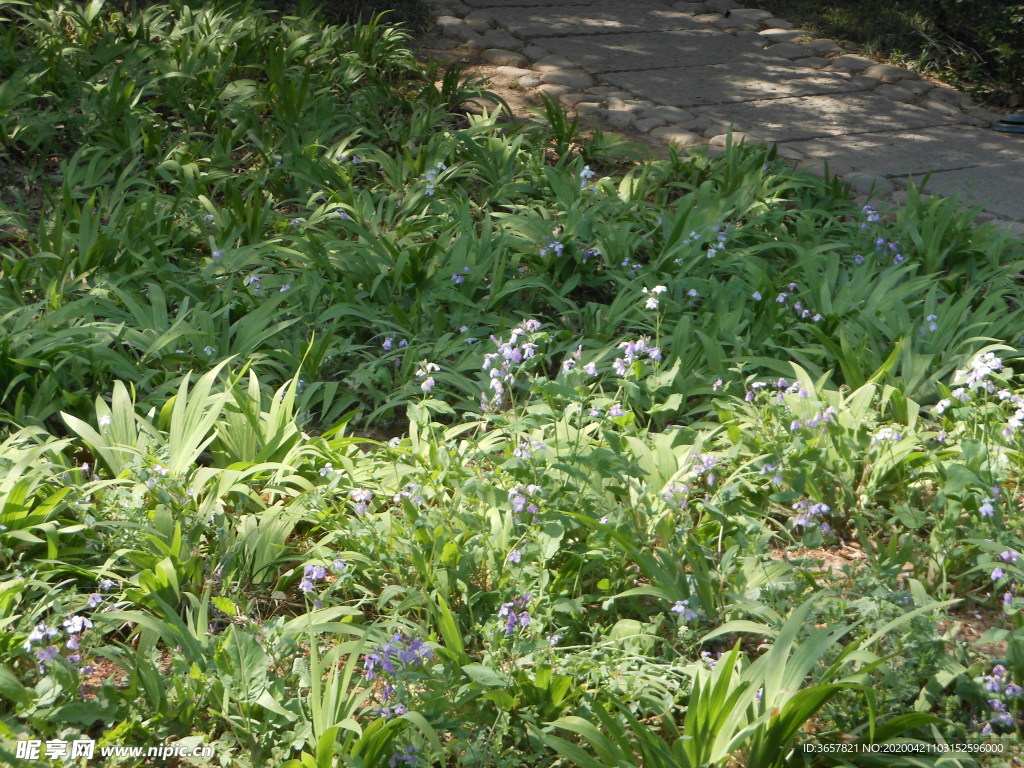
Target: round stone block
point(503, 58)
point(572, 78)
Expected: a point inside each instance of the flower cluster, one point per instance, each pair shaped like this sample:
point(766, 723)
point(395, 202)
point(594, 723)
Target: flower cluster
point(693, 237)
point(391, 660)
point(987, 508)
point(631, 266)
point(818, 420)
point(882, 245)
point(527, 449)
point(362, 498)
point(652, 296)
point(554, 246)
point(508, 612)
point(782, 386)
point(720, 238)
point(405, 651)
point(886, 434)
point(682, 607)
point(808, 514)
point(631, 352)
point(976, 375)
point(431, 177)
point(997, 682)
point(798, 306)
point(43, 634)
point(570, 363)
point(389, 342)
point(705, 464)
point(1016, 422)
point(586, 176)
point(407, 756)
point(423, 373)
point(412, 492)
point(521, 496)
point(676, 495)
point(310, 575)
point(501, 366)
point(773, 468)
point(871, 215)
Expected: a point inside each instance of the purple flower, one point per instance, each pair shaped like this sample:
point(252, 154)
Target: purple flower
point(315, 572)
point(513, 619)
point(997, 573)
point(95, 599)
point(362, 499)
point(515, 556)
point(76, 625)
point(408, 756)
point(408, 651)
point(49, 653)
point(682, 607)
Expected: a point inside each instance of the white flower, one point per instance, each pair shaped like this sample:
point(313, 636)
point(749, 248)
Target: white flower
point(652, 294)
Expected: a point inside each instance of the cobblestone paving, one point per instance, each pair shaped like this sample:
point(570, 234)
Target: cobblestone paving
point(686, 73)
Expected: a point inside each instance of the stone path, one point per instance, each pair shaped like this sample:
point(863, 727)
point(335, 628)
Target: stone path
point(688, 72)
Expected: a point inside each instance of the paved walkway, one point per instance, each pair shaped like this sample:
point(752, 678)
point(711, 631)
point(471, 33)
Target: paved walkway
point(685, 73)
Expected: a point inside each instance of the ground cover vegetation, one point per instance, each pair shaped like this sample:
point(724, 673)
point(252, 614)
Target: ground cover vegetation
point(344, 426)
point(975, 45)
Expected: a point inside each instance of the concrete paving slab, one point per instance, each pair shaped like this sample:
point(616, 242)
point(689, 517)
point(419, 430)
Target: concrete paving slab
point(808, 117)
point(648, 49)
point(751, 76)
point(974, 187)
point(652, 50)
point(901, 153)
point(560, 21)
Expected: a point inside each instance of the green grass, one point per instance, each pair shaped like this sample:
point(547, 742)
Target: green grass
point(341, 426)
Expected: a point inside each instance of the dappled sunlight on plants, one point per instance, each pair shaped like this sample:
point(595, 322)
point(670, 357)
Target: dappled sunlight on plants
point(344, 427)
